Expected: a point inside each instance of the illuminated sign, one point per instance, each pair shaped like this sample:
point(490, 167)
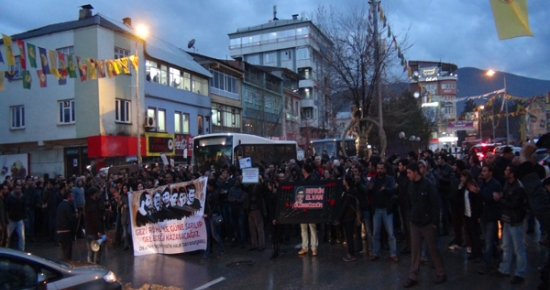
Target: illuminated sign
point(158, 143)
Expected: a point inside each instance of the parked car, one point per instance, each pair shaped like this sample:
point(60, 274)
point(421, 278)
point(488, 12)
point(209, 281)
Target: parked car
point(20, 270)
point(481, 150)
point(498, 150)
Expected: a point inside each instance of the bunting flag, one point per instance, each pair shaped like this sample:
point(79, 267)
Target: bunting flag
point(92, 73)
point(62, 80)
point(31, 54)
point(71, 68)
point(389, 31)
point(10, 74)
point(44, 60)
point(27, 79)
point(124, 65)
point(110, 71)
point(53, 63)
point(116, 66)
point(8, 48)
point(1, 58)
point(2, 86)
point(22, 54)
point(100, 67)
point(134, 61)
point(42, 78)
point(395, 42)
point(62, 64)
point(511, 18)
point(83, 72)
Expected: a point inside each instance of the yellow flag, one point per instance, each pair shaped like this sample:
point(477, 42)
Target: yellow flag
point(92, 73)
point(53, 63)
point(8, 48)
point(2, 87)
point(511, 18)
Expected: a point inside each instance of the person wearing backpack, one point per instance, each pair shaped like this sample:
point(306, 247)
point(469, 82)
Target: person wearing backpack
point(349, 216)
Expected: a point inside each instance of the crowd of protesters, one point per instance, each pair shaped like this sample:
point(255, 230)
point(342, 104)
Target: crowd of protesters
point(412, 200)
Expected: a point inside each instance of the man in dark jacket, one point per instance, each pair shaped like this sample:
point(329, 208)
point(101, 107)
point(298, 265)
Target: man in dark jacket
point(94, 211)
point(444, 173)
point(382, 188)
point(15, 206)
point(514, 207)
point(424, 218)
point(65, 222)
point(491, 213)
point(403, 199)
point(256, 213)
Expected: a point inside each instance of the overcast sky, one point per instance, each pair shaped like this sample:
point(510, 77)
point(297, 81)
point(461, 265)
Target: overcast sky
point(455, 31)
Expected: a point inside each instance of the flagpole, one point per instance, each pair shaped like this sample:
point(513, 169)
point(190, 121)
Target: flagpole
point(507, 122)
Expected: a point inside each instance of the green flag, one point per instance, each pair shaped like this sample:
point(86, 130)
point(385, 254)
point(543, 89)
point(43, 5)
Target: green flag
point(70, 66)
point(31, 54)
point(26, 79)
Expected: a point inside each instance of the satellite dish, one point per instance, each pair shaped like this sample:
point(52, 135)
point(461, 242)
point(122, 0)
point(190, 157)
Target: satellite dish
point(191, 43)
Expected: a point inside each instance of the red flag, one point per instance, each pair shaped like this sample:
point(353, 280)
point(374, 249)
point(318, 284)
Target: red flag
point(83, 69)
point(42, 78)
point(22, 53)
point(62, 64)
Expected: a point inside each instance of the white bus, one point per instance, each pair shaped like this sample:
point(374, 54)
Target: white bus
point(208, 149)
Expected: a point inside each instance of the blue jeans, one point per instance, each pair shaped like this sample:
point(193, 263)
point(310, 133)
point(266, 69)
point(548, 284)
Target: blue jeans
point(365, 218)
point(512, 243)
point(19, 228)
point(382, 217)
point(490, 231)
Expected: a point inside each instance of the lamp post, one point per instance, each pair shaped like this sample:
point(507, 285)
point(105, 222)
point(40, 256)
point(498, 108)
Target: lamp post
point(480, 123)
point(490, 73)
point(141, 31)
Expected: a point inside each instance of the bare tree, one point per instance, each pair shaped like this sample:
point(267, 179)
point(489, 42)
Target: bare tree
point(353, 67)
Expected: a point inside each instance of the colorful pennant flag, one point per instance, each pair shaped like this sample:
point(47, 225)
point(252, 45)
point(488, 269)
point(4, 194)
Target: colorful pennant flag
point(62, 80)
point(134, 61)
point(100, 67)
point(511, 18)
point(116, 66)
point(62, 64)
point(8, 48)
point(109, 64)
point(53, 63)
point(71, 68)
point(83, 72)
point(44, 60)
point(31, 54)
point(10, 74)
point(2, 87)
point(27, 79)
point(42, 78)
point(22, 54)
point(92, 73)
point(124, 65)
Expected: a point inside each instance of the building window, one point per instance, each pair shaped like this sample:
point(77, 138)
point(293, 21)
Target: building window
point(224, 84)
point(253, 59)
point(302, 53)
point(199, 85)
point(66, 50)
point(152, 71)
point(199, 125)
point(123, 111)
point(175, 78)
point(17, 68)
point(181, 123)
point(161, 120)
point(186, 79)
point(177, 122)
point(66, 111)
point(307, 113)
point(447, 86)
point(286, 55)
point(269, 57)
point(17, 117)
point(163, 74)
point(121, 52)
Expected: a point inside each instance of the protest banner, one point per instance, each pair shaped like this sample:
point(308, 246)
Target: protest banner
point(168, 219)
point(308, 202)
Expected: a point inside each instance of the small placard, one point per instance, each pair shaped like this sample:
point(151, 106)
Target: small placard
point(251, 175)
point(245, 162)
point(164, 159)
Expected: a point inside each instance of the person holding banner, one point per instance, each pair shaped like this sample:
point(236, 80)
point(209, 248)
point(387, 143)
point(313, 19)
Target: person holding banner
point(307, 171)
point(144, 215)
point(212, 208)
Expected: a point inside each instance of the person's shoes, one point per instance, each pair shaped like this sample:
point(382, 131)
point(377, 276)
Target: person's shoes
point(405, 251)
point(410, 283)
point(314, 253)
point(440, 279)
point(253, 249)
point(484, 270)
point(395, 259)
point(348, 258)
point(469, 250)
point(360, 252)
point(517, 280)
point(302, 251)
point(374, 258)
point(499, 274)
point(454, 247)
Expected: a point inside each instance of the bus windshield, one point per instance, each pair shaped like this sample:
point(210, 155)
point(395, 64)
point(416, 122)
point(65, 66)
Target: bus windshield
point(208, 151)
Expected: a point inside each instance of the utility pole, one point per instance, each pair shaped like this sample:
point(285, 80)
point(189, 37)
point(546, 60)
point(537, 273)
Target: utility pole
point(374, 5)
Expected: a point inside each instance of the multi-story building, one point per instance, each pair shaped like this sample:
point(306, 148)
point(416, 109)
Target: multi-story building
point(66, 128)
point(434, 85)
point(225, 92)
point(298, 45)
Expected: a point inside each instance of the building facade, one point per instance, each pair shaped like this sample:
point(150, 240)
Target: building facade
point(435, 86)
point(298, 45)
point(68, 128)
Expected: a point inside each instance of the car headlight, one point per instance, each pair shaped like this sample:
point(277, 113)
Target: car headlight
point(110, 277)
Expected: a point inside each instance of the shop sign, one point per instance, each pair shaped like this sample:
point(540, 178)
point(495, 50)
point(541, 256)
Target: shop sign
point(158, 143)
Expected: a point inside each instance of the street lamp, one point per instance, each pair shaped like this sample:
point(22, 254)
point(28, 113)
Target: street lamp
point(480, 122)
point(491, 73)
point(141, 31)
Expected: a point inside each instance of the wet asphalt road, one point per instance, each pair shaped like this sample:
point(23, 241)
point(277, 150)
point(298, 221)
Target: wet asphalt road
point(326, 271)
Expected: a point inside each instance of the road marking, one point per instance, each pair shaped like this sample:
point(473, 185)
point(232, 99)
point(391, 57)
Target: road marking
point(210, 283)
